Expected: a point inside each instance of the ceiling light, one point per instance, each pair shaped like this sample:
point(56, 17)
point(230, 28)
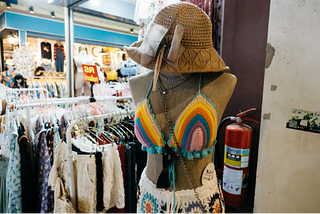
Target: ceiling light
point(8, 5)
point(53, 15)
point(11, 38)
point(31, 9)
point(50, 1)
point(131, 30)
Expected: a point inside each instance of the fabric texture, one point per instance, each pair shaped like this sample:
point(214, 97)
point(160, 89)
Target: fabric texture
point(99, 187)
point(86, 184)
point(24, 62)
point(195, 128)
point(8, 78)
point(28, 177)
point(3, 189)
point(46, 50)
point(47, 67)
point(44, 168)
point(59, 57)
point(61, 202)
point(13, 178)
point(60, 168)
point(155, 200)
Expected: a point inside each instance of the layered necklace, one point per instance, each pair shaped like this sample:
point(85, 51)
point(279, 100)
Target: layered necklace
point(165, 90)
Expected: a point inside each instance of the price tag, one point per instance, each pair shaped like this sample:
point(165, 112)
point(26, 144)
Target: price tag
point(208, 174)
point(90, 73)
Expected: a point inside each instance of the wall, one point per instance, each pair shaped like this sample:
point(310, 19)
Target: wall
point(288, 176)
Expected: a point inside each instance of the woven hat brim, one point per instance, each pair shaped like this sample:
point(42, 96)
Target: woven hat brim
point(190, 61)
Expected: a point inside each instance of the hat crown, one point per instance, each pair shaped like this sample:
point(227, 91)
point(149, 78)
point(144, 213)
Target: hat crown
point(197, 25)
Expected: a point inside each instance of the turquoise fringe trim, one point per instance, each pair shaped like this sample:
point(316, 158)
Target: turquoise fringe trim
point(184, 153)
point(172, 176)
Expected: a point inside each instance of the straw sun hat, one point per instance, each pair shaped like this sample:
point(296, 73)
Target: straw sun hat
point(178, 41)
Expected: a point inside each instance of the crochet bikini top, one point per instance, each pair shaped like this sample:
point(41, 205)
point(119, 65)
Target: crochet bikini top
point(195, 128)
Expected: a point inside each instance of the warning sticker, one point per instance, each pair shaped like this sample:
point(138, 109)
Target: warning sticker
point(232, 180)
point(238, 158)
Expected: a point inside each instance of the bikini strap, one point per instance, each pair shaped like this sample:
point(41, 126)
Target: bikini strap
point(199, 82)
point(150, 88)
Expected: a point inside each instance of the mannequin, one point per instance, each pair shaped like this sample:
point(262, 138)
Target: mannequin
point(217, 87)
point(188, 86)
point(80, 59)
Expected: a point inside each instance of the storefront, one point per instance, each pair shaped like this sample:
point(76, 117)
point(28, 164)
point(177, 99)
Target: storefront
point(44, 40)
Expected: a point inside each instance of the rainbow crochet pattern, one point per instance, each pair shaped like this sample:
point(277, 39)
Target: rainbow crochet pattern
point(145, 127)
point(195, 128)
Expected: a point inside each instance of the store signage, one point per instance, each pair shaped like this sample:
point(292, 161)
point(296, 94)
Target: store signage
point(90, 73)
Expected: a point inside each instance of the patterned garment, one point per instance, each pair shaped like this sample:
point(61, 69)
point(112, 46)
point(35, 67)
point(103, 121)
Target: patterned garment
point(46, 50)
point(24, 62)
point(195, 128)
point(59, 57)
point(56, 137)
point(8, 78)
point(14, 174)
point(155, 200)
point(217, 24)
point(45, 194)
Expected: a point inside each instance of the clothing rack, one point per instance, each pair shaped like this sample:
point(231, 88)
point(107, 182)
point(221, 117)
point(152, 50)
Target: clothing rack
point(43, 77)
point(69, 147)
point(55, 102)
point(15, 90)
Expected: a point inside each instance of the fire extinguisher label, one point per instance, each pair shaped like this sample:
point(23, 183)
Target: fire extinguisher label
point(235, 157)
point(232, 180)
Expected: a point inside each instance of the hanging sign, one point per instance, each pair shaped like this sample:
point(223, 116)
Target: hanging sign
point(90, 73)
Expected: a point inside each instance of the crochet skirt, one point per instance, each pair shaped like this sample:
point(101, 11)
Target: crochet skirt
point(155, 200)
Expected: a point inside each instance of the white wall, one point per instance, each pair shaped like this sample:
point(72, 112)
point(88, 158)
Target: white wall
point(288, 174)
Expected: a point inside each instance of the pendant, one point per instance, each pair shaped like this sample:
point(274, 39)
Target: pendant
point(164, 92)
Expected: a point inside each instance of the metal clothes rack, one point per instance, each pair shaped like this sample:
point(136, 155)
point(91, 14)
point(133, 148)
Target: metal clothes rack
point(69, 147)
point(17, 90)
point(33, 78)
point(54, 102)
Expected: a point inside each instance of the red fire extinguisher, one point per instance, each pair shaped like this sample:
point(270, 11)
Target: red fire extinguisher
point(236, 159)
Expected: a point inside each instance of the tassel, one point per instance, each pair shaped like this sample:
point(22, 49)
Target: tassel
point(157, 68)
point(174, 206)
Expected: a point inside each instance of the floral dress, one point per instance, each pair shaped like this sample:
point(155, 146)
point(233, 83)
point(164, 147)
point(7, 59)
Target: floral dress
point(44, 167)
point(13, 178)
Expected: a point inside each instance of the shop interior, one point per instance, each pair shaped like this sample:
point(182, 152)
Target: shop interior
point(159, 106)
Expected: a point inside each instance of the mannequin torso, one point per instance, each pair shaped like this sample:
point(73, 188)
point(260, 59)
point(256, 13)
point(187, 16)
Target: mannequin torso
point(80, 59)
point(217, 87)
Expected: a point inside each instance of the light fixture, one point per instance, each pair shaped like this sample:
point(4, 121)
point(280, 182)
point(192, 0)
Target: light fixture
point(31, 9)
point(131, 30)
point(53, 15)
point(50, 1)
point(102, 51)
point(8, 4)
point(11, 38)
